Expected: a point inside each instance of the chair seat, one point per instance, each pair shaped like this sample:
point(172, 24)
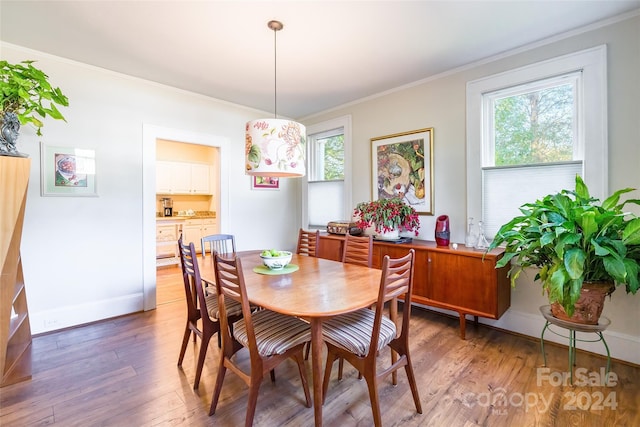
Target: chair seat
point(352, 331)
point(275, 333)
point(233, 307)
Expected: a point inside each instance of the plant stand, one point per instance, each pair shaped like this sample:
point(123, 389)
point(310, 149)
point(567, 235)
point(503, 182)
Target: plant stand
point(572, 327)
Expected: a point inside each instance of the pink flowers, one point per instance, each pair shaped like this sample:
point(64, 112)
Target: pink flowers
point(386, 215)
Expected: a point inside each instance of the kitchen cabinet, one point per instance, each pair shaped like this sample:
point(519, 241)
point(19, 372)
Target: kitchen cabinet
point(167, 235)
point(462, 280)
point(196, 228)
point(183, 178)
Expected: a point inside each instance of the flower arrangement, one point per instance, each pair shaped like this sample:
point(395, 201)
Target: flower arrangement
point(386, 215)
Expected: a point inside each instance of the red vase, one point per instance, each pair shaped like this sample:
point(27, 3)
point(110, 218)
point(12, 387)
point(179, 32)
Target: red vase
point(443, 233)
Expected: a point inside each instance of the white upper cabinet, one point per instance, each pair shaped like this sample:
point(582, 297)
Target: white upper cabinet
point(182, 178)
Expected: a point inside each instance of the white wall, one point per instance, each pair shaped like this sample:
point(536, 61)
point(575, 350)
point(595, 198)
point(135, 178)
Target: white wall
point(440, 103)
point(83, 257)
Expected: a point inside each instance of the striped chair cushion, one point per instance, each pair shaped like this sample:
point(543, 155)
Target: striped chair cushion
point(352, 331)
point(275, 332)
point(233, 307)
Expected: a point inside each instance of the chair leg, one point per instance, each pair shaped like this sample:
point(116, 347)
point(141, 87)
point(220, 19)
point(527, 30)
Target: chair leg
point(254, 387)
point(219, 380)
point(185, 342)
point(331, 357)
point(306, 353)
point(272, 374)
point(204, 345)
point(303, 377)
point(340, 368)
point(372, 384)
point(412, 383)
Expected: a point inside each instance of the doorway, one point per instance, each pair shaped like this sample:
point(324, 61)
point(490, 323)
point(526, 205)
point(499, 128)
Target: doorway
point(151, 134)
point(200, 203)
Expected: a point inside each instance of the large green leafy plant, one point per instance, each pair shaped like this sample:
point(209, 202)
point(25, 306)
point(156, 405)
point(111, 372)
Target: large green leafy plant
point(26, 92)
point(573, 239)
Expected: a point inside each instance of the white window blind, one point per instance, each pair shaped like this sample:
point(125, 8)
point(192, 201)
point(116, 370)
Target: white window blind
point(508, 188)
point(325, 202)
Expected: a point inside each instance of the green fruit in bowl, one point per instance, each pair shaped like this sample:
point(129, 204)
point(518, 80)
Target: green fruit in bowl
point(272, 253)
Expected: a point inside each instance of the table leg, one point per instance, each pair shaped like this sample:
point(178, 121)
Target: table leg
point(316, 367)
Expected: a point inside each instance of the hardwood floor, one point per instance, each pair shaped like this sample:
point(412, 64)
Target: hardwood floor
point(122, 372)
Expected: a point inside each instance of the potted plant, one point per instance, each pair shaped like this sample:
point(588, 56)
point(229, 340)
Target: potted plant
point(27, 97)
point(387, 215)
point(576, 242)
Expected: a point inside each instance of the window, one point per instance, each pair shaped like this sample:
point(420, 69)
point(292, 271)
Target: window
point(327, 191)
point(531, 130)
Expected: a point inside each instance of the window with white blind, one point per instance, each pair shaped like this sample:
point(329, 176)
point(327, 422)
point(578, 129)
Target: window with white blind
point(327, 190)
point(531, 130)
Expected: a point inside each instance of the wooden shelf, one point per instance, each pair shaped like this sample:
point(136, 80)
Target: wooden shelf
point(15, 330)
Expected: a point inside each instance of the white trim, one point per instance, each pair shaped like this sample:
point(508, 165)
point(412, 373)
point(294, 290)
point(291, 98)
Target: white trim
point(150, 133)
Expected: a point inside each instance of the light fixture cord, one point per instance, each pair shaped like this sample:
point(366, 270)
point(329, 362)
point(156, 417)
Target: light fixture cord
point(275, 74)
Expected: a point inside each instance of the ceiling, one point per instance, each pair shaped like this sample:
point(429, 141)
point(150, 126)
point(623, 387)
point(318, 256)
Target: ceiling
point(329, 53)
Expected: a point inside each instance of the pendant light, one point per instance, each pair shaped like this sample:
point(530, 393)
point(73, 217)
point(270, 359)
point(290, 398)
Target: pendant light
point(275, 147)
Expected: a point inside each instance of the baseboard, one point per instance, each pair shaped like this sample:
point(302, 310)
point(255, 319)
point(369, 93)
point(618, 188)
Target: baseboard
point(65, 317)
point(622, 347)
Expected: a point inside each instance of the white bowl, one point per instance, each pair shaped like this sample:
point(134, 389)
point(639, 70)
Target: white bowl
point(277, 262)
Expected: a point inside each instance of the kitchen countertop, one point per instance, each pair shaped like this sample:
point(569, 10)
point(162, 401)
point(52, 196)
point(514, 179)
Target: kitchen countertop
point(196, 215)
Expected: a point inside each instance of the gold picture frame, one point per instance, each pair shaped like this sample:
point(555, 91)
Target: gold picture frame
point(67, 171)
point(402, 166)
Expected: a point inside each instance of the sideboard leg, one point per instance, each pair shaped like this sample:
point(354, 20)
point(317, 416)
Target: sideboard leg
point(463, 325)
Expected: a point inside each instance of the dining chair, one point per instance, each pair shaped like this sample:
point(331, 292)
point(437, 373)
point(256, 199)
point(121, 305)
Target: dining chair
point(308, 242)
point(218, 242)
point(270, 337)
point(357, 250)
point(200, 306)
point(358, 336)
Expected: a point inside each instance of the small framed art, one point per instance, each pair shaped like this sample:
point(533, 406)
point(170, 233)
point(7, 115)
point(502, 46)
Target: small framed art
point(402, 166)
point(67, 171)
point(265, 183)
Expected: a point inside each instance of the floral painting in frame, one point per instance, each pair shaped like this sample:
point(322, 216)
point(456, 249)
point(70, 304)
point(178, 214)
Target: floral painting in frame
point(402, 166)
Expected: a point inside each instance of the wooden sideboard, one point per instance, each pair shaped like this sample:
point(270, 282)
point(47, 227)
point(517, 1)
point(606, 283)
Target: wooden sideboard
point(462, 280)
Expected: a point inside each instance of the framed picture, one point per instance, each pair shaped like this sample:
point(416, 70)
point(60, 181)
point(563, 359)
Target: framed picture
point(402, 166)
point(265, 182)
point(67, 171)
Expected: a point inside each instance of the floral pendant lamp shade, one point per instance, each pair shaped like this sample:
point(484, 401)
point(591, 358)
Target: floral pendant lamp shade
point(275, 147)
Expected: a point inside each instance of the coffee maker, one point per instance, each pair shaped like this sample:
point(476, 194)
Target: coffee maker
point(167, 206)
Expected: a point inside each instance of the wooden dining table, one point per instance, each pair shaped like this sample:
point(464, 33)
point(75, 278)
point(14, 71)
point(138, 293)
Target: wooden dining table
point(318, 290)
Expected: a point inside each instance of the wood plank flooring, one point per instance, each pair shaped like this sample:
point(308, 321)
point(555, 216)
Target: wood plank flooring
point(122, 372)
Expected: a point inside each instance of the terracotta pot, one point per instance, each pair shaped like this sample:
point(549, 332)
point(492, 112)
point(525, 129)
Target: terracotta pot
point(589, 306)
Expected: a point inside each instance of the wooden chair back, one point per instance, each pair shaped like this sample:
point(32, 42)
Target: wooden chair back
point(230, 285)
point(221, 243)
point(308, 242)
point(396, 282)
point(358, 250)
